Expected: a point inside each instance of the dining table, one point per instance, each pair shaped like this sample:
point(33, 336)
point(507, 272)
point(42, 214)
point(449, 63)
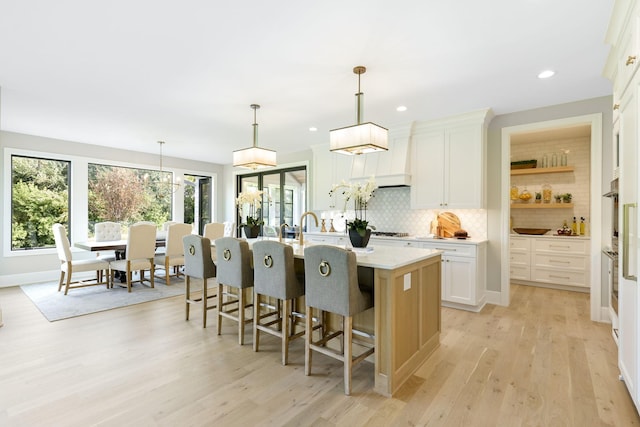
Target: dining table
point(110, 245)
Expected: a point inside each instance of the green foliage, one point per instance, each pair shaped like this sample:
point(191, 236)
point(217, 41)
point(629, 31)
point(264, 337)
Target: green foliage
point(39, 199)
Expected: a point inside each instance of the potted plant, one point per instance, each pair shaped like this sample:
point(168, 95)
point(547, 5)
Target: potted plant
point(538, 197)
point(360, 193)
point(566, 198)
point(250, 202)
point(557, 197)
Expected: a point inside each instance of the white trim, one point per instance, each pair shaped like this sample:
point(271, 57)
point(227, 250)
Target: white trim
point(595, 120)
point(10, 280)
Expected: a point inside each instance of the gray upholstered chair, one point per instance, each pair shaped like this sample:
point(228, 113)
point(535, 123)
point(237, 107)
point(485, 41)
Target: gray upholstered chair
point(274, 275)
point(140, 250)
point(68, 266)
point(331, 281)
point(198, 265)
point(173, 255)
point(234, 271)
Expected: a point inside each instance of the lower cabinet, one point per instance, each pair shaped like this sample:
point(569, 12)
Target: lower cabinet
point(463, 272)
point(550, 260)
point(326, 238)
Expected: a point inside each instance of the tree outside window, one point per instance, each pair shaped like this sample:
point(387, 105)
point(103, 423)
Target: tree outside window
point(39, 199)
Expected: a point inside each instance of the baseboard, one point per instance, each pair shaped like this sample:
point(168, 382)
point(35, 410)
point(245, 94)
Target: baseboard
point(493, 297)
point(9, 280)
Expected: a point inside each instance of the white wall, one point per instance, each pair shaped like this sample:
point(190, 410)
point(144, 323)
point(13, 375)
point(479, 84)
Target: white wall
point(25, 267)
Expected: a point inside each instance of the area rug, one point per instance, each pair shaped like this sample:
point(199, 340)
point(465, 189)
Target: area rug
point(56, 305)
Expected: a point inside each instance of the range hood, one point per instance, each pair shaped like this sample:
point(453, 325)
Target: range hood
point(390, 168)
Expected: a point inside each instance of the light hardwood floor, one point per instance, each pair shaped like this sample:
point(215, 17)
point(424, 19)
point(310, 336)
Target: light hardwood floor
point(540, 362)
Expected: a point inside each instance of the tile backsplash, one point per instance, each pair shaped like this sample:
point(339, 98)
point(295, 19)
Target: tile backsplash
point(390, 210)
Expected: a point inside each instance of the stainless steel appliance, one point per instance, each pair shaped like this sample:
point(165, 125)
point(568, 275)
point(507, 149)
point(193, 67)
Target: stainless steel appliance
point(612, 252)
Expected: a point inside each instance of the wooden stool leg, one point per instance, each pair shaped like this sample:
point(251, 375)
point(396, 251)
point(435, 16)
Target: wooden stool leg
point(187, 296)
point(307, 340)
point(256, 321)
point(241, 303)
point(284, 318)
point(348, 356)
point(220, 289)
point(204, 302)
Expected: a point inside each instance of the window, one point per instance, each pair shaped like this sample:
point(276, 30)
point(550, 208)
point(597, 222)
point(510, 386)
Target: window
point(128, 195)
point(286, 185)
point(39, 199)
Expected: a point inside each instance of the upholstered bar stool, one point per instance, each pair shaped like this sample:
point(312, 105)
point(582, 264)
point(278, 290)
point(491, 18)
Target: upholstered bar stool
point(198, 265)
point(331, 281)
point(274, 275)
point(234, 271)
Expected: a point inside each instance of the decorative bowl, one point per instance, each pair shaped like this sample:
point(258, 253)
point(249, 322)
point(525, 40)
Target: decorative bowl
point(532, 231)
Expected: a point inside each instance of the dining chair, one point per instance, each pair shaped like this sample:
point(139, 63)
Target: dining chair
point(198, 265)
point(229, 229)
point(275, 276)
point(234, 271)
point(69, 266)
point(139, 254)
point(107, 231)
point(331, 281)
point(173, 255)
point(213, 231)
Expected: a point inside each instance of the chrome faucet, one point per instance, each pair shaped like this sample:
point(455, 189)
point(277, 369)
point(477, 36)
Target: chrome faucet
point(301, 227)
point(281, 231)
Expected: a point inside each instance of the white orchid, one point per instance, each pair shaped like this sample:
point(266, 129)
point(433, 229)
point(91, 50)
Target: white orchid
point(253, 201)
point(360, 193)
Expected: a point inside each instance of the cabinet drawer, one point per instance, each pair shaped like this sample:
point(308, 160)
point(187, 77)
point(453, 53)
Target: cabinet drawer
point(519, 258)
point(520, 272)
point(396, 243)
point(560, 277)
point(519, 243)
point(560, 261)
point(452, 248)
point(562, 245)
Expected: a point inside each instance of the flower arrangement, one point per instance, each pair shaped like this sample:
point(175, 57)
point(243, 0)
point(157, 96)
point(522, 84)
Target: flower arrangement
point(360, 193)
point(252, 201)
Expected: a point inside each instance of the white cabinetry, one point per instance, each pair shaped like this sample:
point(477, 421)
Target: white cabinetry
point(326, 238)
point(621, 69)
point(463, 272)
point(448, 162)
point(328, 169)
point(520, 258)
point(562, 261)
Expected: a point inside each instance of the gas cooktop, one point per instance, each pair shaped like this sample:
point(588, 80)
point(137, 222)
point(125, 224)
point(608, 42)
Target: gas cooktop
point(389, 234)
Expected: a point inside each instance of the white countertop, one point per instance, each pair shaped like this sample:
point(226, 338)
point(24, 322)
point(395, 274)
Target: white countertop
point(383, 257)
point(551, 236)
point(470, 241)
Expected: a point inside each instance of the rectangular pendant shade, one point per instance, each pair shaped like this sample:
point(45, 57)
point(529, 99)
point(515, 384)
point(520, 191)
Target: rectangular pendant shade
point(359, 139)
point(254, 158)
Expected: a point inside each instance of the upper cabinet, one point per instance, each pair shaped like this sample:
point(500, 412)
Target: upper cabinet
point(448, 162)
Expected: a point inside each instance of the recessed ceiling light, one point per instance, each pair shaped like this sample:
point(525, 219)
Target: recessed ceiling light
point(313, 129)
point(401, 108)
point(546, 74)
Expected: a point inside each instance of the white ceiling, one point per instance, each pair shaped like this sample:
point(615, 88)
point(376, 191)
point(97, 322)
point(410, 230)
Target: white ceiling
point(129, 73)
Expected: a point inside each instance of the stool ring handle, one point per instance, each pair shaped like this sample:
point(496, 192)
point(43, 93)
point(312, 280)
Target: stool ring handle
point(324, 268)
point(192, 249)
point(267, 261)
point(226, 254)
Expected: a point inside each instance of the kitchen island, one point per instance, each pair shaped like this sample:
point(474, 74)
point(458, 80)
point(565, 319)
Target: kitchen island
point(406, 315)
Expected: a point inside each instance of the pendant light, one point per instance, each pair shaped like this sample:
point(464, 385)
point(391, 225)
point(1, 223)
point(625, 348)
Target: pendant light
point(360, 138)
point(166, 185)
point(254, 157)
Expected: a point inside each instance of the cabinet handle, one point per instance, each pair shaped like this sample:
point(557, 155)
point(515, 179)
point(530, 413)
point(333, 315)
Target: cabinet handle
point(559, 262)
point(631, 59)
point(616, 107)
point(560, 277)
point(559, 246)
point(448, 249)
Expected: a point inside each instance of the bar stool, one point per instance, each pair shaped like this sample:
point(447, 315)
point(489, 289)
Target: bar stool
point(274, 275)
point(331, 281)
point(234, 271)
point(198, 265)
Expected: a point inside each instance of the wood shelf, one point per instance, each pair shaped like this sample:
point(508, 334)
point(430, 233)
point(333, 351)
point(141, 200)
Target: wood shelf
point(534, 171)
point(541, 205)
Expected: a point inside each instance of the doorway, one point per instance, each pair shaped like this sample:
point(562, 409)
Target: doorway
point(594, 122)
